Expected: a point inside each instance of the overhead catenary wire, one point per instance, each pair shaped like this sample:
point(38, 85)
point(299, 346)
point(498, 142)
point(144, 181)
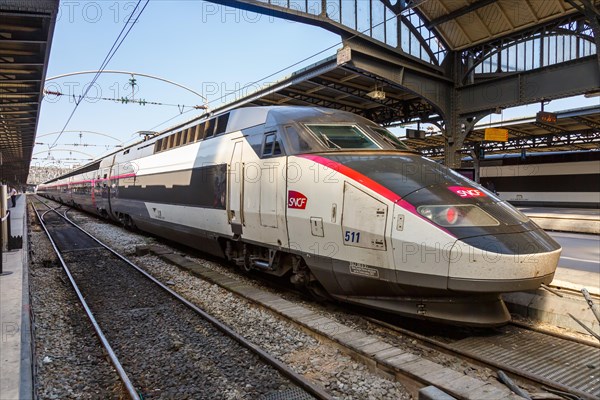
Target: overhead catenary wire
point(116, 45)
point(171, 119)
point(127, 100)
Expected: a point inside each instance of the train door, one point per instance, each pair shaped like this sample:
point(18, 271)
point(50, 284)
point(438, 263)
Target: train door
point(265, 192)
point(102, 187)
point(235, 188)
point(102, 191)
point(93, 190)
point(268, 198)
point(113, 184)
point(364, 221)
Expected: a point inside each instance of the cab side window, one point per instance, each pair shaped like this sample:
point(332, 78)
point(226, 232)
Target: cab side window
point(271, 145)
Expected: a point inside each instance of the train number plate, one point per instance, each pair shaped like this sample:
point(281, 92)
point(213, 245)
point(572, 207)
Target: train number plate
point(466, 192)
point(364, 270)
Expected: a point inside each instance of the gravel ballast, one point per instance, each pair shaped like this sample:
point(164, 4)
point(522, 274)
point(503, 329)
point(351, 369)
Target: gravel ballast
point(69, 361)
point(166, 349)
point(322, 363)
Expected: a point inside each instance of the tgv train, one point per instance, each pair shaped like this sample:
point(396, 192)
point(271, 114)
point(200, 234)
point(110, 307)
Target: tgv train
point(331, 200)
point(565, 179)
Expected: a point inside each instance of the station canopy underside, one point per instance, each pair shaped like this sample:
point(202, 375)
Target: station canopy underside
point(26, 29)
point(463, 24)
point(577, 129)
point(333, 83)
point(449, 63)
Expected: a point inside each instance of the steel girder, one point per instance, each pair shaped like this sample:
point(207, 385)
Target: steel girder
point(376, 16)
point(444, 91)
point(513, 89)
point(431, 86)
point(569, 26)
point(584, 140)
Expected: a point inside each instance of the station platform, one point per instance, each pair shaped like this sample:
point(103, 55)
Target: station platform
point(15, 324)
point(561, 304)
point(577, 232)
point(577, 220)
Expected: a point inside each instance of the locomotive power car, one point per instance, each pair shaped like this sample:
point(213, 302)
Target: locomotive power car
point(330, 199)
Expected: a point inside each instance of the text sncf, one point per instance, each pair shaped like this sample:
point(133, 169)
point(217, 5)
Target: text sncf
point(466, 192)
point(296, 200)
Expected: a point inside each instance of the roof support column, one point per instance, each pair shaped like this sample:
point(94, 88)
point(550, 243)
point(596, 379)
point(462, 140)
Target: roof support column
point(455, 132)
point(592, 13)
point(457, 127)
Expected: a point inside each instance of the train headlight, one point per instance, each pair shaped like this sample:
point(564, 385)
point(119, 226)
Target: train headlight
point(452, 215)
point(457, 215)
point(426, 212)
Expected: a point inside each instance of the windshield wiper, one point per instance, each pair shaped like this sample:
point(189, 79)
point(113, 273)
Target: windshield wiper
point(330, 141)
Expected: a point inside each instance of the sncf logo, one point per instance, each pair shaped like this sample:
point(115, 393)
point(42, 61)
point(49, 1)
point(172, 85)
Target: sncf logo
point(466, 192)
point(296, 200)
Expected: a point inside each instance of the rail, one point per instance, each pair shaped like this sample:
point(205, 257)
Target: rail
point(111, 354)
point(266, 357)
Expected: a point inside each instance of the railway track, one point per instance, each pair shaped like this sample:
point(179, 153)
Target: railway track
point(161, 345)
point(557, 363)
point(539, 359)
point(560, 364)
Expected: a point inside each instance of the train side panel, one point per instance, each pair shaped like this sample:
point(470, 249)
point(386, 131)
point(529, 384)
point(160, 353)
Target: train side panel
point(341, 228)
point(536, 182)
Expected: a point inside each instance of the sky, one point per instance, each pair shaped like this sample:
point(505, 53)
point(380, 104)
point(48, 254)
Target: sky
point(212, 50)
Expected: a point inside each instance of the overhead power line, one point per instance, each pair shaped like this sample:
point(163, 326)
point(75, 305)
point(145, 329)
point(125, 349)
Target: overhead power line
point(127, 100)
point(117, 43)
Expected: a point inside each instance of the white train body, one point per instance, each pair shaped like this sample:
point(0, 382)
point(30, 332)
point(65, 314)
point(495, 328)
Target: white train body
point(326, 197)
point(568, 179)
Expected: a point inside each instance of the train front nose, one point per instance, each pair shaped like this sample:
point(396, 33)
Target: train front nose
point(497, 249)
point(503, 262)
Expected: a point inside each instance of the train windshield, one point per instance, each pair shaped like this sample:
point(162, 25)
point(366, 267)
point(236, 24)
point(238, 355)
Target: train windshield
point(343, 137)
point(391, 139)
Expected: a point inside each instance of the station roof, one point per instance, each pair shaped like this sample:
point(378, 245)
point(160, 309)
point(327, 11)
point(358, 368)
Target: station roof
point(576, 129)
point(466, 23)
point(26, 28)
point(334, 84)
